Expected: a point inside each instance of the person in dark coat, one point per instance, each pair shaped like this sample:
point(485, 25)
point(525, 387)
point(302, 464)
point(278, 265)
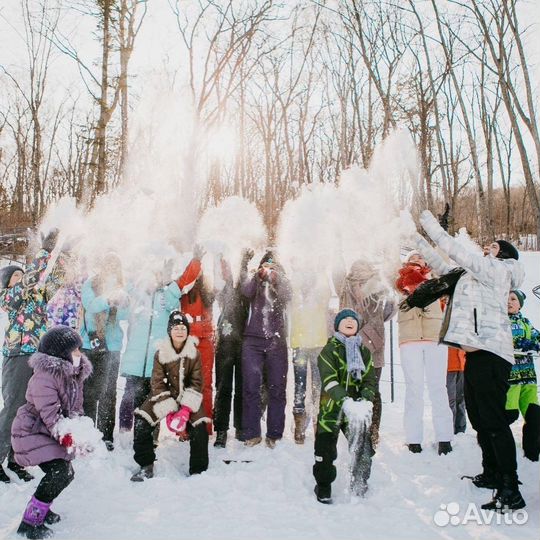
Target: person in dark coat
point(230, 327)
point(265, 347)
point(55, 392)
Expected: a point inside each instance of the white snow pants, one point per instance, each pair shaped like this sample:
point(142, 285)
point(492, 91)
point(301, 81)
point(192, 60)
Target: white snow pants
point(430, 359)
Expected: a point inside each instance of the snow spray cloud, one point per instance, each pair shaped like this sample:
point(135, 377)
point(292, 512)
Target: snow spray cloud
point(327, 228)
point(230, 227)
point(152, 215)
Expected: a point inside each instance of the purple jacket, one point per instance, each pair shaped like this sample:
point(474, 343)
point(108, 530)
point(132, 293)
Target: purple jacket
point(55, 390)
point(267, 305)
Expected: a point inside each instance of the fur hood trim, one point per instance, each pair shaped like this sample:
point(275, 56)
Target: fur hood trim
point(59, 367)
point(167, 354)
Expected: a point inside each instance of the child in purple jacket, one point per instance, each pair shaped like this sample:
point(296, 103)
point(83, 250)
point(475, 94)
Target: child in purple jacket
point(55, 392)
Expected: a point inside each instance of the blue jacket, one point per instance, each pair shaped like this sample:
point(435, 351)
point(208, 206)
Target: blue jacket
point(92, 304)
point(148, 319)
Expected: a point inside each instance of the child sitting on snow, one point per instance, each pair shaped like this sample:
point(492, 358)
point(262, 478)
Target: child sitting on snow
point(523, 392)
point(348, 389)
point(176, 394)
point(54, 394)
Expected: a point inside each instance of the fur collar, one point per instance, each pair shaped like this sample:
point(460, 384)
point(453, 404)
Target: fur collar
point(60, 367)
point(167, 354)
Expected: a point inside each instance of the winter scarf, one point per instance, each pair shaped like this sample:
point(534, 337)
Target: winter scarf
point(411, 276)
point(355, 363)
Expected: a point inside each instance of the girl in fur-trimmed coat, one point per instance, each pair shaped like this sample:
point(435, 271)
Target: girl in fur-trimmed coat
point(55, 392)
point(176, 394)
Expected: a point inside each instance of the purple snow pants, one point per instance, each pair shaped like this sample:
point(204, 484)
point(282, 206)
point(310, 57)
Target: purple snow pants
point(270, 355)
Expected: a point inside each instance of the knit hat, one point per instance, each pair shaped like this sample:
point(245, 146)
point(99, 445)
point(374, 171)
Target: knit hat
point(60, 341)
point(520, 296)
point(267, 258)
point(343, 314)
point(175, 318)
point(6, 273)
point(411, 254)
point(507, 250)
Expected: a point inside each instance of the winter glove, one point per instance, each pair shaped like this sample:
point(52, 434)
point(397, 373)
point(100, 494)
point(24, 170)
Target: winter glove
point(66, 440)
point(443, 218)
point(49, 242)
point(177, 421)
point(247, 255)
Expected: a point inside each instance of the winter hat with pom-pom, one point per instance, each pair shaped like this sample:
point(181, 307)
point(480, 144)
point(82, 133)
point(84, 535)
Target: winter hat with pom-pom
point(507, 250)
point(60, 341)
point(6, 273)
point(175, 318)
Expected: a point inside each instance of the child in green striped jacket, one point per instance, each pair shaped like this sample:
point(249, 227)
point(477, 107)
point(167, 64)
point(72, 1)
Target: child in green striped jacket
point(348, 387)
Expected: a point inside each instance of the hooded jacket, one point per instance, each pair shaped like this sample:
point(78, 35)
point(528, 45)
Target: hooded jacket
point(26, 304)
point(476, 317)
point(54, 391)
point(361, 291)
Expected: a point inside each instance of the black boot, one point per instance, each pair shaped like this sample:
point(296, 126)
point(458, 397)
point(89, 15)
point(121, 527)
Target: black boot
point(507, 496)
point(415, 448)
point(488, 479)
point(52, 517)
point(324, 494)
point(22, 473)
point(34, 532)
point(143, 473)
point(221, 439)
point(3, 476)
point(444, 448)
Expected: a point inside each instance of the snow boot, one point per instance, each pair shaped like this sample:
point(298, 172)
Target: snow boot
point(323, 494)
point(299, 428)
point(415, 448)
point(143, 473)
point(3, 476)
point(271, 443)
point(32, 524)
point(22, 473)
point(488, 479)
point(253, 442)
point(444, 448)
point(507, 497)
point(52, 517)
point(239, 436)
point(221, 439)
point(109, 445)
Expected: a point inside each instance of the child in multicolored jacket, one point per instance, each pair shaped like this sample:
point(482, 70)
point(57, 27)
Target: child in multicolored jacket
point(523, 385)
point(349, 385)
point(24, 294)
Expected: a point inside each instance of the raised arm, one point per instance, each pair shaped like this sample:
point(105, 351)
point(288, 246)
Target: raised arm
point(482, 268)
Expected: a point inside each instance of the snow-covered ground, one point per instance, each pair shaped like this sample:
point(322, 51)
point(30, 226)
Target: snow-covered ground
point(272, 497)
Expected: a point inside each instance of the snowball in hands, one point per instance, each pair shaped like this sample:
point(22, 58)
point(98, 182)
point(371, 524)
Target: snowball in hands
point(357, 412)
point(85, 438)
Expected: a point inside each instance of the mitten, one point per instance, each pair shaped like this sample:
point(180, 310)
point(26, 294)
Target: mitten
point(66, 440)
point(177, 421)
